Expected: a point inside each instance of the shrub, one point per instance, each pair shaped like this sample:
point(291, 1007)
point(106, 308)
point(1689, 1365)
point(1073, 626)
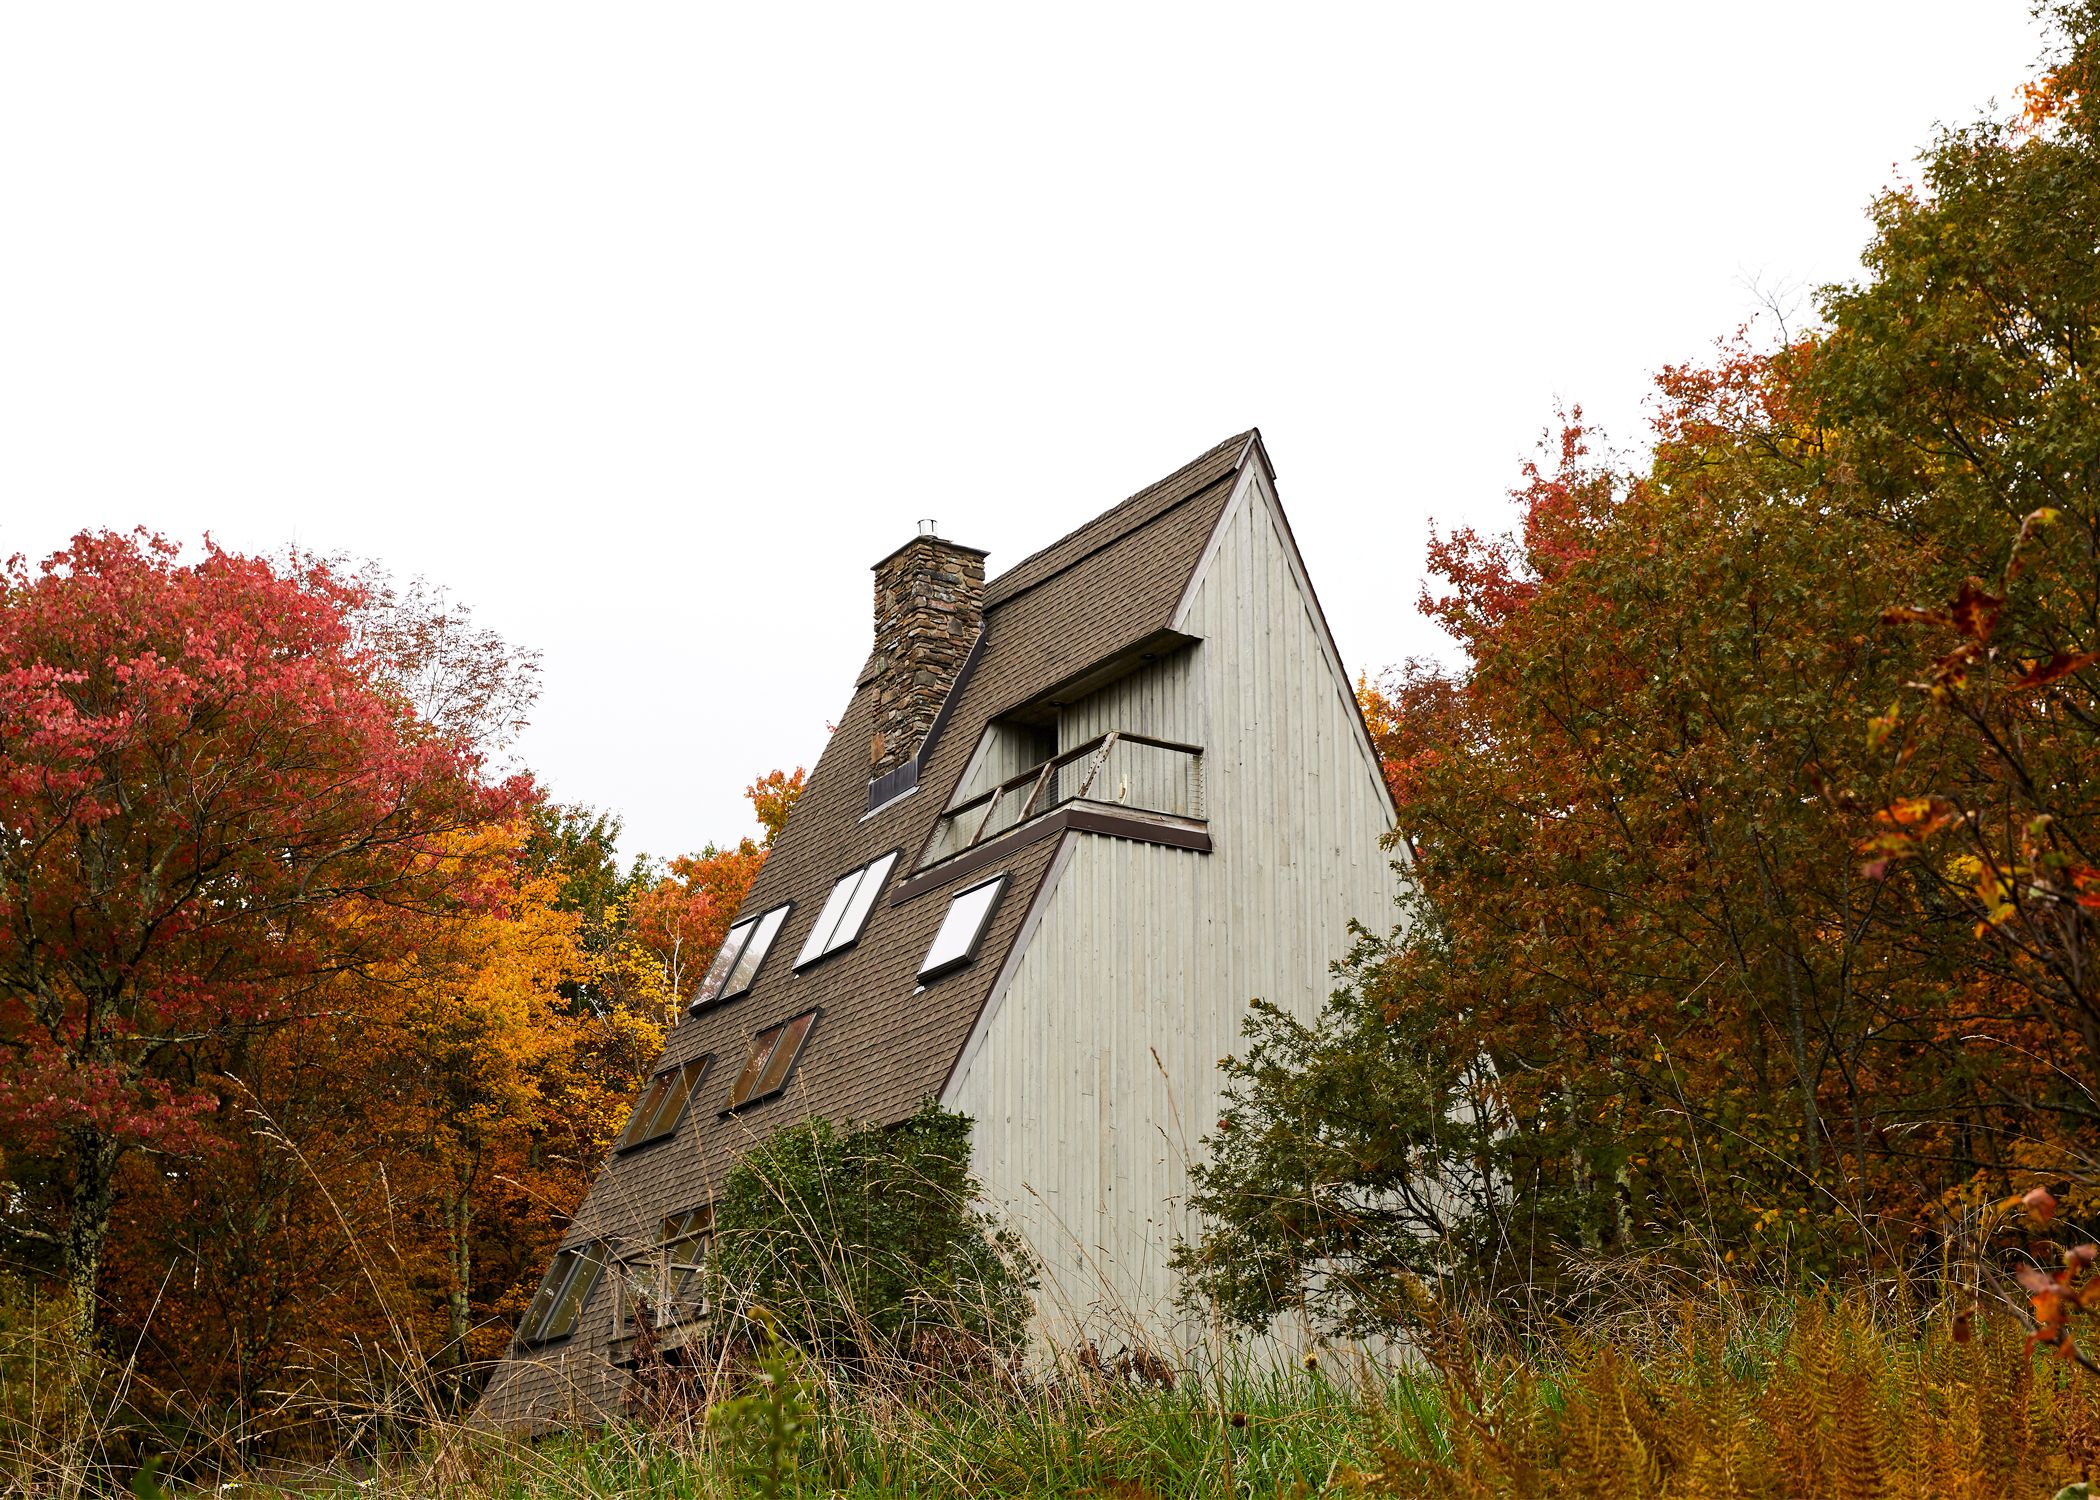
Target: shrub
point(864, 1243)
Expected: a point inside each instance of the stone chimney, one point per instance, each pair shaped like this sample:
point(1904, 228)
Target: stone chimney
point(929, 603)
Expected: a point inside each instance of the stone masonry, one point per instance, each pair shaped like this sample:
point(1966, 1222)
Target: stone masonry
point(929, 605)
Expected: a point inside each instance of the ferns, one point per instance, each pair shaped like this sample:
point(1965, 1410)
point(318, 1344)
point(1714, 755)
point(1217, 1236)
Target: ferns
point(1735, 1398)
point(1850, 1409)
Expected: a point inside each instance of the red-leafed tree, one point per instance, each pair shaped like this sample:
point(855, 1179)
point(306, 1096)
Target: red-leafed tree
point(212, 795)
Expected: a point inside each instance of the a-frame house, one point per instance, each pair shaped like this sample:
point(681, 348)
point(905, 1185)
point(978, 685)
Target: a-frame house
point(1070, 822)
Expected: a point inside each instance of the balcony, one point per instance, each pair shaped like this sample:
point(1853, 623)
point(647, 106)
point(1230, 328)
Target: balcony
point(1115, 770)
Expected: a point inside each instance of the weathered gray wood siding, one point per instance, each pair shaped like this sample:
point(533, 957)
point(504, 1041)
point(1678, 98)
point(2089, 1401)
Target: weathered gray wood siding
point(1093, 1074)
point(1165, 701)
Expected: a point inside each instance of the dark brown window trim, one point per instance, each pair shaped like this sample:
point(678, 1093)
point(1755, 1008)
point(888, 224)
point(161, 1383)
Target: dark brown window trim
point(894, 854)
point(1078, 819)
point(598, 1264)
point(702, 1007)
point(704, 1065)
point(984, 924)
point(815, 1014)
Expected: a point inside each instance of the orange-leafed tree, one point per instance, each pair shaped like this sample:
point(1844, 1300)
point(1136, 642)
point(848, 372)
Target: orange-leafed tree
point(387, 1173)
point(681, 918)
point(1960, 376)
point(1743, 930)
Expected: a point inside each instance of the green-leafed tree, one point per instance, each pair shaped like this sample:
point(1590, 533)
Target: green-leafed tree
point(1763, 921)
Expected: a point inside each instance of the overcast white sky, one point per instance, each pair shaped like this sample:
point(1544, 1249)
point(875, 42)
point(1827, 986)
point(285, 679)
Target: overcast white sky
point(646, 329)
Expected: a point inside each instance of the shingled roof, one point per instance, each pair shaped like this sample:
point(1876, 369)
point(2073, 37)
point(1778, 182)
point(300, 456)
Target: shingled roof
point(1118, 522)
point(884, 1044)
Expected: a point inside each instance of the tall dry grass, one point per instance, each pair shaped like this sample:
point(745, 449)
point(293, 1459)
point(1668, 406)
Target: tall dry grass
point(1730, 1393)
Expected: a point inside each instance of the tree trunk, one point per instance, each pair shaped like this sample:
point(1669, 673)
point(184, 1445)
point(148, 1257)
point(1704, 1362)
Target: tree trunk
point(93, 1156)
point(1805, 1074)
point(462, 1274)
point(459, 1300)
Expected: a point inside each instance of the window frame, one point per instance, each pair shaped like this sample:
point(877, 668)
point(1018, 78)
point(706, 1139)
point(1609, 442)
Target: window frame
point(698, 1067)
point(667, 1294)
point(814, 1014)
point(750, 927)
point(586, 1255)
point(806, 960)
point(698, 1228)
point(930, 972)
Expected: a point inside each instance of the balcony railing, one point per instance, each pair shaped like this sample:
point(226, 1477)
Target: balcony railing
point(1116, 769)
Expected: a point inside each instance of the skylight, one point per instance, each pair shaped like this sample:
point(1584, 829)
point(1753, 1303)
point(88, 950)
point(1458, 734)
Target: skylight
point(846, 909)
point(662, 1105)
point(559, 1303)
point(963, 928)
point(737, 960)
point(772, 1056)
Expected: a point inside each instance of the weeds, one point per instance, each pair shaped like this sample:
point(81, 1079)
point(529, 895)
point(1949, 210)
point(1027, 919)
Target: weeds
point(1848, 1397)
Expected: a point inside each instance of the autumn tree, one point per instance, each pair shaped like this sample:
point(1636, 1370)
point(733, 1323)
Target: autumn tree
point(1743, 929)
point(1643, 999)
point(1960, 375)
point(385, 1177)
point(208, 793)
point(679, 919)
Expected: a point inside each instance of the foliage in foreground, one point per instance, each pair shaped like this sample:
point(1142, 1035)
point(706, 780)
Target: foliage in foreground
point(1716, 1395)
point(862, 1241)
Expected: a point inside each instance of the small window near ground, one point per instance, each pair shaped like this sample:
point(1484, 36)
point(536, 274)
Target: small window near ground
point(969, 914)
point(773, 1053)
point(558, 1306)
point(846, 910)
point(685, 1241)
point(737, 960)
point(662, 1104)
point(664, 1285)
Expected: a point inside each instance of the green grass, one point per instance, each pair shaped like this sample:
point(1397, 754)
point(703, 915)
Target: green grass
point(1853, 1397)
point(1279, 1435)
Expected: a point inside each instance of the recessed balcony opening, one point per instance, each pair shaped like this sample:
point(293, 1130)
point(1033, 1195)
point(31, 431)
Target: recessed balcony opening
point(1117, 769)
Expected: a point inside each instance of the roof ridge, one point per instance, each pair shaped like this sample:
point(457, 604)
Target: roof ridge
point(1028, 573)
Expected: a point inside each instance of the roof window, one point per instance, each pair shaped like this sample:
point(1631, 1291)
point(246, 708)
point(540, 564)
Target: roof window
point(969, 914)
point(773, 1053)
point(662, 1105)
point(846, 910)
point(558, 1305)
point(737, 960)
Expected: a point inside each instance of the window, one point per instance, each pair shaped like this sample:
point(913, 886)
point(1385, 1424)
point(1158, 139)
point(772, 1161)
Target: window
point(684, 1247)
point(846, 910)
point(558, 1305)
point(737, 960)
point(663, 1288)
point(772, 1056)
point(968, 916)
point(662, 1104)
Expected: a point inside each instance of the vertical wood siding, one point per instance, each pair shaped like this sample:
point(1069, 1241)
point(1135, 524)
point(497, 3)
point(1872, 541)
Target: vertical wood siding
point(1166, 701)
point(1096, 1078)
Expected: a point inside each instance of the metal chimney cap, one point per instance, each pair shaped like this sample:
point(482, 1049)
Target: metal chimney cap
point(926, 528)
